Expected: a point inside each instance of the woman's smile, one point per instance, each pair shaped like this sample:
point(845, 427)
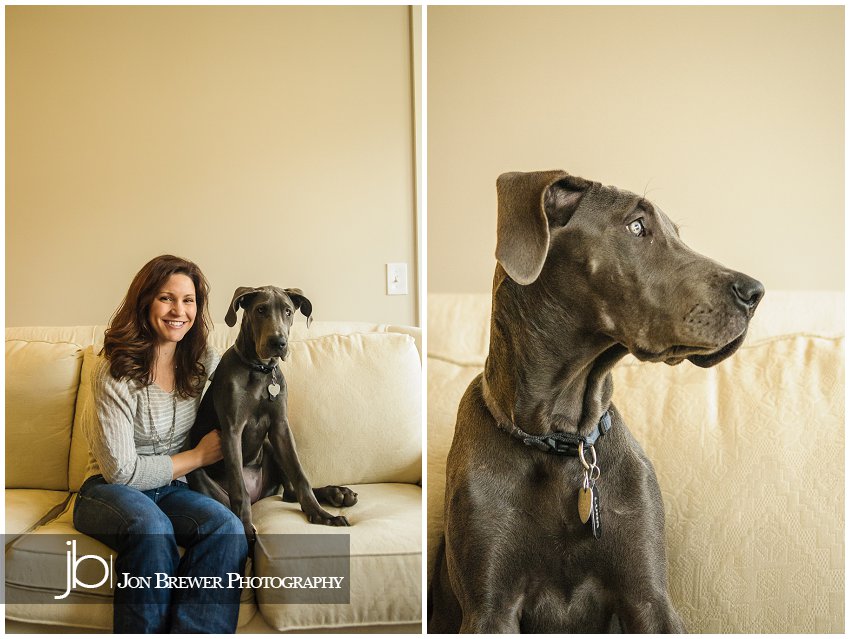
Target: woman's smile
point(173, 309)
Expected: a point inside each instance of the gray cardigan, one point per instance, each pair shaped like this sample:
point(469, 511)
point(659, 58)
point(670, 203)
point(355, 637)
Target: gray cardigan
point(118, 428)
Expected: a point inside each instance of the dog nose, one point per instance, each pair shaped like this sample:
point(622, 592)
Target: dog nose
point(748, 292)
point(278, 342)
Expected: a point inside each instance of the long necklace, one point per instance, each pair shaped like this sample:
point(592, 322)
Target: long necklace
point(155, 439)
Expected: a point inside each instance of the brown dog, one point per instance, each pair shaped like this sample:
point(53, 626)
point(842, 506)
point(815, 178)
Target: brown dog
point(585, 274)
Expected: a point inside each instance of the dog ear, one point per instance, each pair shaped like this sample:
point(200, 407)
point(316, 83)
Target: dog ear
point(528, 203)
point(242, 291)
point(301, 303)
point(562, 198)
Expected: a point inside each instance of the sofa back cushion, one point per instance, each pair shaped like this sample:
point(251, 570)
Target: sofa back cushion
point(41, 389)
point(79, 456)
point(355, 408)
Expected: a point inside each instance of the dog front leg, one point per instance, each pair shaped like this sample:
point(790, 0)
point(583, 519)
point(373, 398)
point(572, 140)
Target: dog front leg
point(489, 610)
point(651, 615)
point(240, 503)
point(283, 449)
point(488, 592)
point(488, 623)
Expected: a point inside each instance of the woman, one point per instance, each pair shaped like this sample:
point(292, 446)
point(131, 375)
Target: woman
point(147, 391)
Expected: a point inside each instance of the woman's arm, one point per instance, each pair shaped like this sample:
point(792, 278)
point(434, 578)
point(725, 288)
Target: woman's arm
point(110, 434)
point(208, 451)
point(112, 442)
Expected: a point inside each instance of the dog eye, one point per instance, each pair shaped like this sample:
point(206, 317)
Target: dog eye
point(288, 312)
point(637, 227)
point(261, 310)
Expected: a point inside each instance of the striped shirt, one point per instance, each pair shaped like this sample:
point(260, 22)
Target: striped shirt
point(129, 424)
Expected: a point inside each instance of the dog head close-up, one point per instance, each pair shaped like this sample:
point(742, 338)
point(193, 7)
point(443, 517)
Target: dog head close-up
point(561, 238)
point(268, 316)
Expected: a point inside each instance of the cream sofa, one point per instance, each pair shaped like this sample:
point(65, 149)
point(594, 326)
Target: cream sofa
point(749, 455)
point(355, 409)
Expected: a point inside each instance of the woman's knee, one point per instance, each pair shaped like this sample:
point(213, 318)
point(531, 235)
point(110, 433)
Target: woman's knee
point(226, 526)
point(210, 516)
point(231, 524)
point(222, 521)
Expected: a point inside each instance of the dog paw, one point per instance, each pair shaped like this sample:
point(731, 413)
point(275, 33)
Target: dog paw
point(250, 533)
point(326, 519)
point(338, 496)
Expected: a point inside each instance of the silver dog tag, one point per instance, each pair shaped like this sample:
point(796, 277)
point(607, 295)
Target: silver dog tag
point(274, 390)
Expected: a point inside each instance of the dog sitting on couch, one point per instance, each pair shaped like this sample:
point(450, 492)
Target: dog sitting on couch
point(246, 399)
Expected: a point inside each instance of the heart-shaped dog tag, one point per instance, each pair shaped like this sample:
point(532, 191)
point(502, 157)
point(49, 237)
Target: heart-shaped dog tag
point(274, 389)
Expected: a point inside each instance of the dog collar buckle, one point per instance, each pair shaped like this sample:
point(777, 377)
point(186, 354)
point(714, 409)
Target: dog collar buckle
point(560, 446)
point(565, 444)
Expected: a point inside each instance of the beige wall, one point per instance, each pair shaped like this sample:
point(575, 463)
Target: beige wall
point(731, 118)
point(271, 145)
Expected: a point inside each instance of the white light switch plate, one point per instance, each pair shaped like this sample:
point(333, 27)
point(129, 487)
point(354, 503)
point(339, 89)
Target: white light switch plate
point(397, 278)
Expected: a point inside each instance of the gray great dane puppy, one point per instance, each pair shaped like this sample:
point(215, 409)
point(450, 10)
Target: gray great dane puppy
point(586, 273)
point(246, 399)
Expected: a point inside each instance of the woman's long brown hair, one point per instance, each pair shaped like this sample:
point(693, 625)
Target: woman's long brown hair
point(130, 343)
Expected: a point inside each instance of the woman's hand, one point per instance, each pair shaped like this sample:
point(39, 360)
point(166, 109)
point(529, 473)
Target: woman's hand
point(209, 448)
point(208, 451)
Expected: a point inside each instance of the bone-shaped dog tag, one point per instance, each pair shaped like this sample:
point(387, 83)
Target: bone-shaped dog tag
point(274, 390)
point(585, 503)
point(595, 521)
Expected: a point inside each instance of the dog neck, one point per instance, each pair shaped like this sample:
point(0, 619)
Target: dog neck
point(247, 352)
point(545, 371)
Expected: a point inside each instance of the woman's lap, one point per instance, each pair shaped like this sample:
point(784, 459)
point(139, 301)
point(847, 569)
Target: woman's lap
point(145, 527)
point(113, 511)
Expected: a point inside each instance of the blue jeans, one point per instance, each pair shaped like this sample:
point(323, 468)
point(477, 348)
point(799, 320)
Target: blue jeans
point(145, 528)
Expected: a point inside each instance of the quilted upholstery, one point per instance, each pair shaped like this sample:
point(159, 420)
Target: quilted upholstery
point(749, 456)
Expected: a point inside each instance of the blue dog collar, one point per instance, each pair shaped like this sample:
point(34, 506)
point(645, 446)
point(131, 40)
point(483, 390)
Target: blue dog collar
point(560, 443)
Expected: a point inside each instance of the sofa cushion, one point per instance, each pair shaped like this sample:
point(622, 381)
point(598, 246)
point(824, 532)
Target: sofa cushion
point(26, 508)
point(79, 456)
point(41, 388)
point(36, 566)
point(386, 558)
point(750, 459)
point(355, 408)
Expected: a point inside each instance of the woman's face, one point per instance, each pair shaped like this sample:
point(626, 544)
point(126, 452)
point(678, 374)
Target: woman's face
point(173, 309)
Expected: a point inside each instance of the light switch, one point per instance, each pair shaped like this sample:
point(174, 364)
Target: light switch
point(397, 278)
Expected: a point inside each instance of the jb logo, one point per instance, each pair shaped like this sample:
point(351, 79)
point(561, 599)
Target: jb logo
point(73, 562)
